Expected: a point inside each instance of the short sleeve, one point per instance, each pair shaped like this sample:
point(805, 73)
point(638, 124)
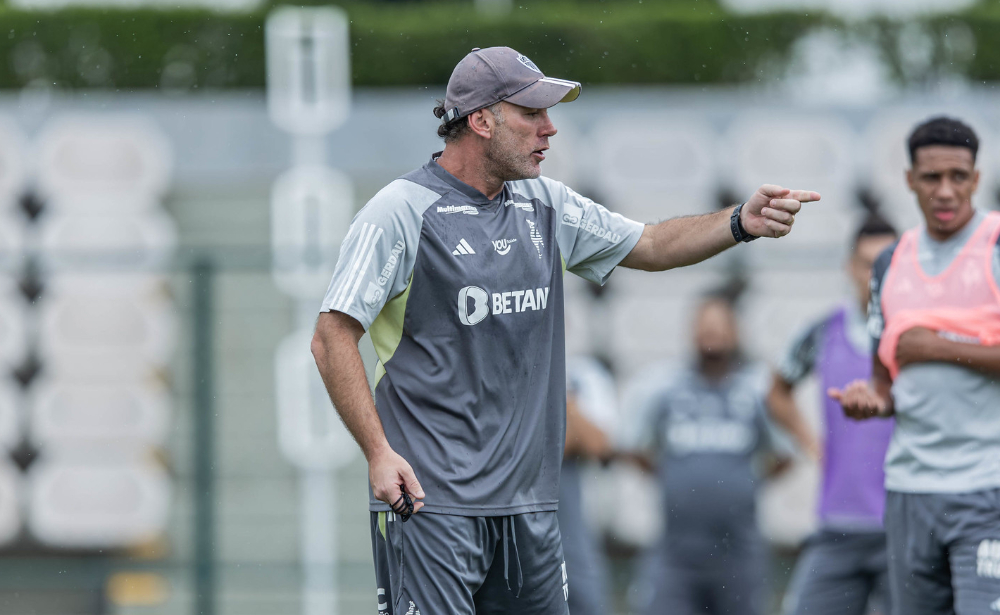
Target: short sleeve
point(592, 239)
point(376, 258)
point(772, 438)
point(876, 321)
point(800, 357)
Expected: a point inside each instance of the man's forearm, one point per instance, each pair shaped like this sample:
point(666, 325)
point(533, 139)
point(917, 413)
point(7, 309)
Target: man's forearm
point(679, 242)
point(985, 359)
point(335, 347)
point(784, 412)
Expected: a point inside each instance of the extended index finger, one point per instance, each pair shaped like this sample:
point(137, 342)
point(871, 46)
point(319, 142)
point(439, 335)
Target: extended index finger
point(803, 196)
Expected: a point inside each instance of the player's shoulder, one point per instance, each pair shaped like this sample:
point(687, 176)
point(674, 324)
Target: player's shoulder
point(546, 190)
point(883, 261)
point(401, 201)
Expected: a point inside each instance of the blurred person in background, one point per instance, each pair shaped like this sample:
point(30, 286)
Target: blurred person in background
point(843, 565)
point(707, 426)
point(591, 413)
point(457, 269)
point(934, 317)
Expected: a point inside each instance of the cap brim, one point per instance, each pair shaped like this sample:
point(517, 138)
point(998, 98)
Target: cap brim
point(545, 93)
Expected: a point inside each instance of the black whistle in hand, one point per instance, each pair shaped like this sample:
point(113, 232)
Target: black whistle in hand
point(403, 506)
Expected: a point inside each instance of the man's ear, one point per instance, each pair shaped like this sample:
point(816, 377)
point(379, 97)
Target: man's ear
point(481, 122)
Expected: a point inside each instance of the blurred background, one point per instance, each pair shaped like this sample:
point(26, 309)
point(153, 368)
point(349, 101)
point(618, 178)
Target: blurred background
point(175, 179)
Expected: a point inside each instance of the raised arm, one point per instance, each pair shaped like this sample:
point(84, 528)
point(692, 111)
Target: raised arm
point(335, 348)
point(785, 412)
point(679, 242)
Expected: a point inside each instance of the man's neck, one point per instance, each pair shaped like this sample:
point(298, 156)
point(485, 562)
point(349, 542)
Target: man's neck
point(467, 167)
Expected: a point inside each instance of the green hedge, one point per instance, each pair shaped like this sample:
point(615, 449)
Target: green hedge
point(418, 43)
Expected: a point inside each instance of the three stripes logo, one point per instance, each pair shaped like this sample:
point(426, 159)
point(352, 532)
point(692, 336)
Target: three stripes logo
point(463, 247)
point(361, 257)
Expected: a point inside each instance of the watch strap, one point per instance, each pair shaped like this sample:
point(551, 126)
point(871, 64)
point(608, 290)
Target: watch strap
point(736, 226)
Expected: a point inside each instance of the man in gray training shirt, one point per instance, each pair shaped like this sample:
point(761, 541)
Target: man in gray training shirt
point(705, 424)
point(942, 469)
point(455, 270)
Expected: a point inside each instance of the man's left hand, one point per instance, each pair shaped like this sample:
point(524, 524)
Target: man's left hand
point(771, 210)
point(917, 345)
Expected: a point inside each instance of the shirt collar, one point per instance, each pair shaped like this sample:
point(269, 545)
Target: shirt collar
point(477, 197)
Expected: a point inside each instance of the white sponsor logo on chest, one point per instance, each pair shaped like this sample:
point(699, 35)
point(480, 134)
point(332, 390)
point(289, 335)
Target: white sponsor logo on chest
point(474, 303)
point(458, 209)
point(521, 206)
point(503, 245)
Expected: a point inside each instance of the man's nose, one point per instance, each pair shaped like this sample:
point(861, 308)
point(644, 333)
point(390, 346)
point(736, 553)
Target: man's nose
point(548, 128)
point(946, 190)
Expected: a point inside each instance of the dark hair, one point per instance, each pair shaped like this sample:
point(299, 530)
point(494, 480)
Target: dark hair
point(729, 292)
point(449, 131)
point(873, 225)
point(943, 130)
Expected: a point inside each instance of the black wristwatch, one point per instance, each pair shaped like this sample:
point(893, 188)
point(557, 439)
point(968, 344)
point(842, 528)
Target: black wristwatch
point(736, 226)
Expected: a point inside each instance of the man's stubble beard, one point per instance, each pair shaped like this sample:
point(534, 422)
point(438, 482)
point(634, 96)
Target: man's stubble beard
point(502, 158)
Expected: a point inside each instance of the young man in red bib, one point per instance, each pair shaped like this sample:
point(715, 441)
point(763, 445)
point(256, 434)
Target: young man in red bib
point(935, 319)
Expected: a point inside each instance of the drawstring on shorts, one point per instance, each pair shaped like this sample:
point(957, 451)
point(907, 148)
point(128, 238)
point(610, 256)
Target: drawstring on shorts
point(509, 534)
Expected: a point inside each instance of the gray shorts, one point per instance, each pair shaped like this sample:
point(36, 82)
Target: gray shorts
point(839, 573)
point(707, 582)
point(944, 552)
point(437, 564)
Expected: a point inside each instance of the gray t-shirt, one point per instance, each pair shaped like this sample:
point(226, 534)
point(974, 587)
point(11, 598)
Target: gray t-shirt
point(947, 435)
point(705, 435)
point(463, 299)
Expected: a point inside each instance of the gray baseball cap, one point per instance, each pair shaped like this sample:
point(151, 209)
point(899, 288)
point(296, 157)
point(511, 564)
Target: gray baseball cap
point(487, 76)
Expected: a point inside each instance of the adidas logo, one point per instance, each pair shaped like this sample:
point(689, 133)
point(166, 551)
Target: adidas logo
point(463, 247)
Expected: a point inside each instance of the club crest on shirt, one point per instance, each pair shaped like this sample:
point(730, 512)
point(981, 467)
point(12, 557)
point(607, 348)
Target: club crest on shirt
point(536, 237)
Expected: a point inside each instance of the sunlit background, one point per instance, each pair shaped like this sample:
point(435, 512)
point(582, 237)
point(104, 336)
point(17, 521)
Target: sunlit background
point(175, 180)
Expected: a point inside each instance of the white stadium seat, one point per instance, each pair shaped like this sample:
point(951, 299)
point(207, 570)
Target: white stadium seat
point(309, 432)
point(125, 416)
point(13, 167)
point(11, 240)
point(779, 304)
point(76, 503)
point(651, 314)
point(108, 155)
point(10, 417)
point(311, 210)
point(655, 169)
point(116, 327)
point(13, 329)
point(138, 240)
point(11, 494)
point(799, 152)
